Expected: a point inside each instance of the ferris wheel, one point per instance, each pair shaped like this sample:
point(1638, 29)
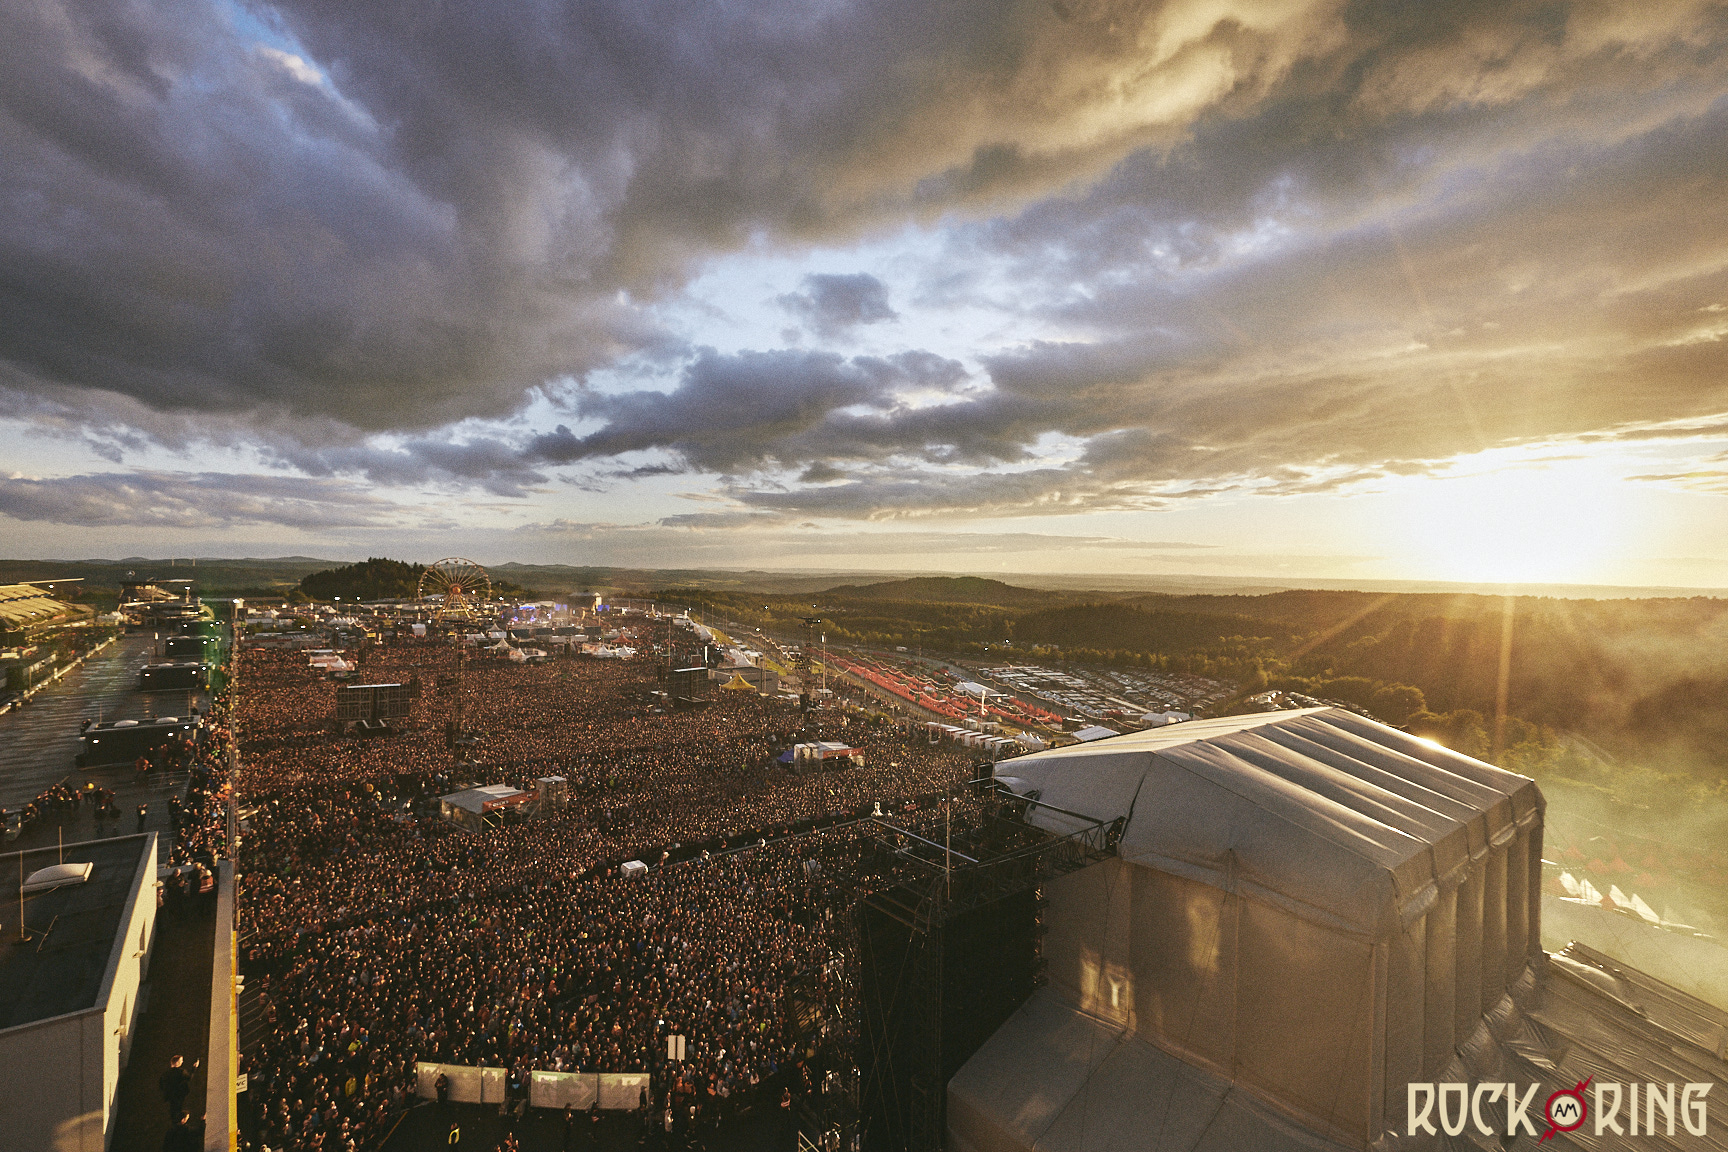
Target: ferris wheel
point(461, 588)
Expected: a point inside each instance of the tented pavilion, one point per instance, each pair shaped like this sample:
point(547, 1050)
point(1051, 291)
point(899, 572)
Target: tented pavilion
point(1307, 912)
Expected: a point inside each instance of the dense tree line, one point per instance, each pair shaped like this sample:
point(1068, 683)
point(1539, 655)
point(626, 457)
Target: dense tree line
point(375, 579)
point(854, 619)
point(380, 578)
point(1646, 679)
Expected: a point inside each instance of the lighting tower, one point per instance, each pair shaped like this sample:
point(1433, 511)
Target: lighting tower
point(810, 623)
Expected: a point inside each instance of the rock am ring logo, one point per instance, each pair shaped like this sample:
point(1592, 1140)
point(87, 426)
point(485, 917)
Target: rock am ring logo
point(1565, 1109)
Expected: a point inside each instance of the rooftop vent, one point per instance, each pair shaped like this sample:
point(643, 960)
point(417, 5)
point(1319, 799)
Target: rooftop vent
point(57, 875)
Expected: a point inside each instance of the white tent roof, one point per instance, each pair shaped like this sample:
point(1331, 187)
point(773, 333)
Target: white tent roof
point(1095, 732)
point(1334, 817)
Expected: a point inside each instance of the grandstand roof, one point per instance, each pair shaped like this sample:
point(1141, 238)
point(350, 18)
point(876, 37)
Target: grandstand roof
point(24, 604)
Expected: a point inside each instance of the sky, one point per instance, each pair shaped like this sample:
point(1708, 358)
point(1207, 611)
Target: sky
point(1323, 290)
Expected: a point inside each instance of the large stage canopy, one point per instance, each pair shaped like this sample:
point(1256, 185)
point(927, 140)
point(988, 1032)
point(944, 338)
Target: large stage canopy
point(1308, 912)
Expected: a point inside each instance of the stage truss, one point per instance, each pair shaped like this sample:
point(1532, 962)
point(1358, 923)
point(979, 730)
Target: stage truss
point(934, 948)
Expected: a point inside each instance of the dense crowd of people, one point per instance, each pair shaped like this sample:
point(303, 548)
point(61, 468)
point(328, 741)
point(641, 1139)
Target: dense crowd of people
point(52, 800)
point(380, 936)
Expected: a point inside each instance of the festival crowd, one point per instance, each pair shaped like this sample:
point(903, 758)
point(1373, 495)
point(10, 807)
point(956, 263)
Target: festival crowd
point(378, 935)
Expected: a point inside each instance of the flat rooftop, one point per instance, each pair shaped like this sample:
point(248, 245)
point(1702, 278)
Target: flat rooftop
point(59, 969)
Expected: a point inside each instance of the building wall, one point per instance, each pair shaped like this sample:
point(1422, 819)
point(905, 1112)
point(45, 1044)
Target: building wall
point(1326, 1022)
point(59, 1077)
point(128, 967)
point(221, 1104)
point(58, 1111)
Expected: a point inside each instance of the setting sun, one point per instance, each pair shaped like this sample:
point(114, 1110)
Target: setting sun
point(1561, 521)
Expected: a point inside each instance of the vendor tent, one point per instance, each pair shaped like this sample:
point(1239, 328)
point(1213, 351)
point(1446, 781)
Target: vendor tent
point(474, 808)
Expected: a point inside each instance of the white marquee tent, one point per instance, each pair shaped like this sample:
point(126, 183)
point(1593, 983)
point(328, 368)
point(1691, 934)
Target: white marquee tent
point(1288, 885)
point(1308, 912)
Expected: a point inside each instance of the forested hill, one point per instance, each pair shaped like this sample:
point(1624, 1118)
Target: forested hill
point(380, 578)
point(1577, 664)
point(1145, 628)
point(1323, 609)
point(1645, 678)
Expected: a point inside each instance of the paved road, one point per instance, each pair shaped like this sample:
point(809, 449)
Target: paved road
point(39, 740)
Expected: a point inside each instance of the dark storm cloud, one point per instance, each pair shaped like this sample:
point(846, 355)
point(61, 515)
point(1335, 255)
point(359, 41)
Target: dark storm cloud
point(833, 304)
point(743, 411)
point(191, 500)
point(434, 209)
point(487, 463)
point(916, 493)
point(191, 223)
point(115, 427)
point(1308, 338)
point(1565, 295)
point(1446, 231)
point(1287, 244)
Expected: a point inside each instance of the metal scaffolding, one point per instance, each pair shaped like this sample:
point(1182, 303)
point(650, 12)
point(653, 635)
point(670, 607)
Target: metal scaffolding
point(949, 922)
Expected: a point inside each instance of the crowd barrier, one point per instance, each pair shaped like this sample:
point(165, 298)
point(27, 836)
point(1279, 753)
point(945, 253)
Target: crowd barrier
point(616, 1091)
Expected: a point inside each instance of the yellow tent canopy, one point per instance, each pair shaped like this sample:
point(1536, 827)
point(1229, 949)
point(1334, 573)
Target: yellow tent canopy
point(738, 683)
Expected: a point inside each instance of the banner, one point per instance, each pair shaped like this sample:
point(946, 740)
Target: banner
point(616, 1091)
point(556, 1089)
point(464, 1082)
point(621, 1090)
